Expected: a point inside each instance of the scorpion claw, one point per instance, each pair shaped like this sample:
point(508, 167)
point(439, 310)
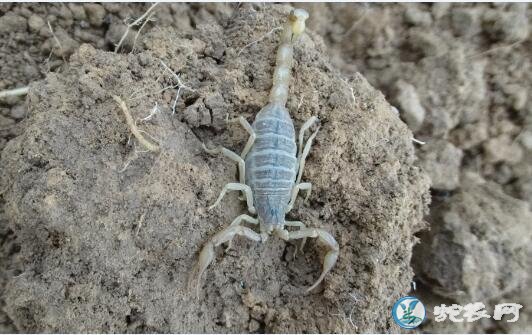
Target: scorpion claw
point(205, 258)
point(299, 249)
point(328, 263)
point(329, 241)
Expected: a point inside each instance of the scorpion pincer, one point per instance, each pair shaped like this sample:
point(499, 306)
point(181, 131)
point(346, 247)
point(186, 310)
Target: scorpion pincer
point(270, 168)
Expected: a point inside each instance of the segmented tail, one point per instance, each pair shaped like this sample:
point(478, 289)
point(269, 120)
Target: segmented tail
point(281, 76)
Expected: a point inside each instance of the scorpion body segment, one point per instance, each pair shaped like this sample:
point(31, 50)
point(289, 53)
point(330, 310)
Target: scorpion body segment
point(271, 166)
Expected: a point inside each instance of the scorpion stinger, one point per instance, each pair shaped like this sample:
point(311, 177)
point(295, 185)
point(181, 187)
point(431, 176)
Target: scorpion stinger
point(271, 167)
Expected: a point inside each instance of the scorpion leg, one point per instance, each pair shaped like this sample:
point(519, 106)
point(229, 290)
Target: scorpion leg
point(237, 222)
point(237, 187)
point(299, 187)
point(304, 154)
point(207, 253)
point(233, 156)
point(302, 131)
point(251, 138)
point(328, 240)
point(301, 225)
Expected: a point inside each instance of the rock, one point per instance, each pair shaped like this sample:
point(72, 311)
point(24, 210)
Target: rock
point(452, 88)
point(440, 9)
point(502, 149)
point(470, 134)
point(197, 115)
point(35, 22)
point(11, 22)
point(78, 11)
point(95, 13)
point(114, 35)
point(476, 249)
point(415, 16)
point(68, 44)
point(466, 21)
point(526, 139)
point(65, 14)
point(217, 109)
point(409, 104)
point(442, 161)
point(6, 122)
point(18, 112)
point(254, 326)
point(517, 94)
point(426, 42)
point(524, 187)
point(504, 26)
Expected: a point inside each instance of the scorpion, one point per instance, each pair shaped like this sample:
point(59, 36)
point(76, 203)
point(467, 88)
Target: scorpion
point(269, 170)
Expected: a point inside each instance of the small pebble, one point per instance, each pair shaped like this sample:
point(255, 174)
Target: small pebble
point(12, 23)
point(506, 26)
point(526, 139)
point(35, 22)
point(77, 11)
point(502, 149)
point(18, 112)
point(253, 326)
point(466, 21)
point(409, 104)
point(95, 13)
point(417, 17)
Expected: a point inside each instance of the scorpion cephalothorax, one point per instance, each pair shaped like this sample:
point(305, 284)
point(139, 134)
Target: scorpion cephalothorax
point(271, 166)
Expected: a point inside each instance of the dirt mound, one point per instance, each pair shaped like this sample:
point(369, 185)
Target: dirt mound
point(106, 234)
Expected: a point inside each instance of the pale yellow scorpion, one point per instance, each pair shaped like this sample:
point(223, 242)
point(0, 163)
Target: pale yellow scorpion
point(270, 171)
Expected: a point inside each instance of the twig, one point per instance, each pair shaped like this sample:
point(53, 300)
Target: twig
point(353, 94)
point(57, 41)
point(129, 160)
point(260, 39)
point(300, 102)
point(418, 141)
point(357, 22)
point(131, 123)
point(355, 299)
point(135, 23)
point(179, 86)
point(154, 111)
point(141, 220)
point(140, 29)
point(14, 92)
point(496, 48)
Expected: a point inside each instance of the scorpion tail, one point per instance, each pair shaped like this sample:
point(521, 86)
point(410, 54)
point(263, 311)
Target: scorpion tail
point(281, 75)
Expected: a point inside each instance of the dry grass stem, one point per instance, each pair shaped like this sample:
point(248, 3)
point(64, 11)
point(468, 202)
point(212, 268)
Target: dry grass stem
point(136, 23)
point(180, 85)
point(14, 92)
point(260, 39)
point(133, 127)
point(56, 41)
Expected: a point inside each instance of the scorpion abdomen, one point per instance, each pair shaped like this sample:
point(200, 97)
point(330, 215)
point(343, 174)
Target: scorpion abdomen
point(271, 165)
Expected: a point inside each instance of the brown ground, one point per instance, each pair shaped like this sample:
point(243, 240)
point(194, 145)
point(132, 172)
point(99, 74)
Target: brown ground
point(98, 236)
